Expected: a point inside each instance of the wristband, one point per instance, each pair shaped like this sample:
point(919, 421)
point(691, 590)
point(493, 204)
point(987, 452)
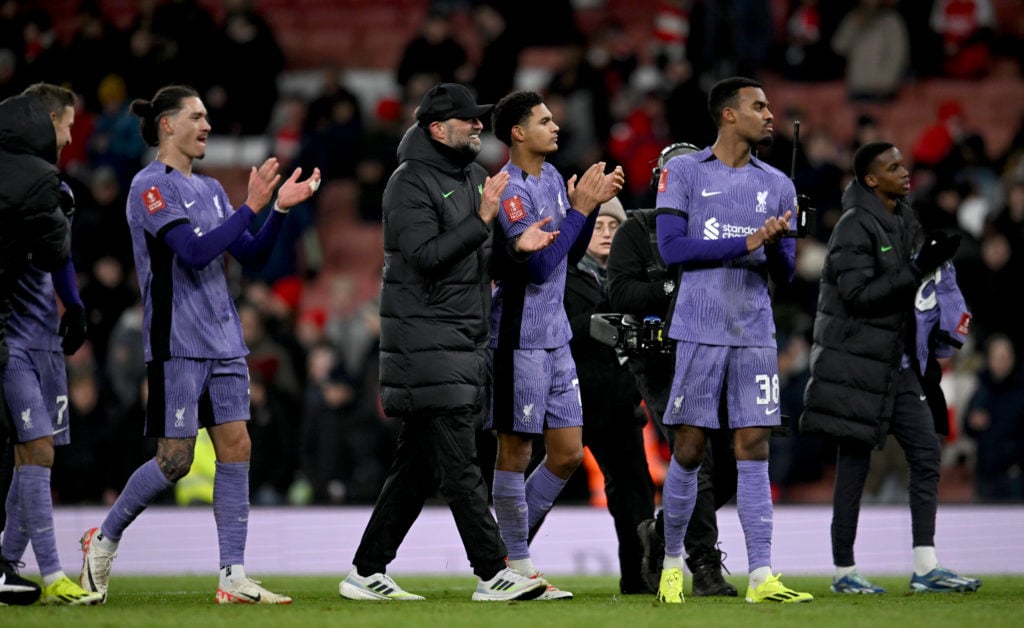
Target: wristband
point(278, 208)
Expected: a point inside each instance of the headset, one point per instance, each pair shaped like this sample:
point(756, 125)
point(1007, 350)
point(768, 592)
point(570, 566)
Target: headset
point(670, 151)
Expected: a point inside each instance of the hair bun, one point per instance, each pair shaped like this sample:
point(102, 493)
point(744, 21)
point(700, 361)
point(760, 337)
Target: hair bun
point(141, 108)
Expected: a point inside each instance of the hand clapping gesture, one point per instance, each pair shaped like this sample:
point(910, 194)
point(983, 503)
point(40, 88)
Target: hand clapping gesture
point(594, 187)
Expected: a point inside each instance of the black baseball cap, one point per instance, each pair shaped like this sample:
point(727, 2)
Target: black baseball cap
point(449, 100)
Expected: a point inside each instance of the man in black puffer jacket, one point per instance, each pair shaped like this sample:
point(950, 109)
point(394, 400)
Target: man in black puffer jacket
point(31, 221)
point(864, 371)
point(31, 225)
point(439, 210)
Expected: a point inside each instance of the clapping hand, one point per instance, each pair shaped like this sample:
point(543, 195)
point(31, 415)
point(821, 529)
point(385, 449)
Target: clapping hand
point(594, 187)
point(293, 191)
point(535, 238)
point(490, 196)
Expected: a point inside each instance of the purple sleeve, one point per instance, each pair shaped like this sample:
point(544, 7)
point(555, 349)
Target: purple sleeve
point(782, 260)
point(195, 251)
point(541, 264)
point(254, 251)
point(676, 248)
point(582, 243)
point(66, 284)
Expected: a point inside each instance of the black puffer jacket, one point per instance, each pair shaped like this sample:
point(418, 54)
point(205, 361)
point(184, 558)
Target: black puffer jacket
point(865, 303)
point(31, 221)
point(436, 294)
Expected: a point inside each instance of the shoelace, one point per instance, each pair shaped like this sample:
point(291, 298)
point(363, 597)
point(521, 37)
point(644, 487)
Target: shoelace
point(15, 565)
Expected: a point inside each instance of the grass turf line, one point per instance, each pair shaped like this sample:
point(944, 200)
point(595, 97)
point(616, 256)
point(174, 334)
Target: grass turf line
point(188, 602)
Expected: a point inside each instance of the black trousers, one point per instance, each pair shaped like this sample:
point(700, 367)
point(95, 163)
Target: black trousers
point(433, 454)
point(618, 447)
point(716, 480)
point(914, 429)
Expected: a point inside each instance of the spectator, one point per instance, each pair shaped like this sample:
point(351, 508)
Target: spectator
point(966, 30)
point(115, 140)
point(434, 52)
point(496, 73)
point(995, 419)
point(806, 54)
point(873, 38)
point(245, 70)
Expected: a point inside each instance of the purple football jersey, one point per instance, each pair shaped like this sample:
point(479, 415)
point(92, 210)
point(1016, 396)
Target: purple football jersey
point(187, 313)
point(33, 321)
point(539, 313)
point(725, 303)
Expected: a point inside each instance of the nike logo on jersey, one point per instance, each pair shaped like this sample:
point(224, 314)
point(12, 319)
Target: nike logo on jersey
point(706, 194)
point(188, 204)
point(886, 249)
point(448, 193)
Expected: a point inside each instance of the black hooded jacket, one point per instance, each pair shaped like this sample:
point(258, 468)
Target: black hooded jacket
point(31, 221)
point(865, 305)
point(436, 293)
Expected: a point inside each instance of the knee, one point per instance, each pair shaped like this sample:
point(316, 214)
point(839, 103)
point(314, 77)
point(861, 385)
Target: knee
point(175, 465)
point(688, 453)
point(563, 463)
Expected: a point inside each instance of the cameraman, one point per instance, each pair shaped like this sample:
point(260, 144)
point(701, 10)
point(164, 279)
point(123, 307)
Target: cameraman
point(611, 428)
point(641, 285)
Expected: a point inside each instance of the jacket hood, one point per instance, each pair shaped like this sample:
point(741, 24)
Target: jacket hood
point(25, 128)
point(416, 145)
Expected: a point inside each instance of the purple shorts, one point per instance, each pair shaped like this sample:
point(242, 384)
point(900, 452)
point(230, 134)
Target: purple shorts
point(36, 387)
point(750, 376)
point(534, 390)
point(186, 394)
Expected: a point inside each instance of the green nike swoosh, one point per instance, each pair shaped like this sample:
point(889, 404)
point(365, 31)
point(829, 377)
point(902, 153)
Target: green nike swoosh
point(886, 248)
point(448, 193)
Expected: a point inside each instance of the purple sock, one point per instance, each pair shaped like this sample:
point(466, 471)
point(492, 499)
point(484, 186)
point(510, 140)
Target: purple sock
point(754, 506)
point(37, 513)
point(679, 496)
point(142, 488)
point(231, 510)
point(15, 529)
point(511, 511)
point(542, 488)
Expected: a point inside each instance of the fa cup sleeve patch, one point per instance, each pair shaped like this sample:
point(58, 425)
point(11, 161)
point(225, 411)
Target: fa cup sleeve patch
point(663, 180)
point(153, 200)
point(965, 324)
point(513, 207)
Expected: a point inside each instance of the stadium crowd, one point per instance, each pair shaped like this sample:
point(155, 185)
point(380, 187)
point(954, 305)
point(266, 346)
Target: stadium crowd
point(318, 431)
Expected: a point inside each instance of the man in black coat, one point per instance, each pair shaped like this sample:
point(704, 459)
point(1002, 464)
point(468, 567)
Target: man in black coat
point(610, 400)
point(31, 220)
point(32, 225)
point(864, 371)
point(439, 210)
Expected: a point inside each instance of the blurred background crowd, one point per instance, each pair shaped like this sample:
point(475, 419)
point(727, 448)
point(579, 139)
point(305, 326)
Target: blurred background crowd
point(333, 83)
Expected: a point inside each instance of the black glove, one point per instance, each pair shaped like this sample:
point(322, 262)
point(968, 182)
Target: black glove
point(937, 248)
point(72, 328)
point(67, 201)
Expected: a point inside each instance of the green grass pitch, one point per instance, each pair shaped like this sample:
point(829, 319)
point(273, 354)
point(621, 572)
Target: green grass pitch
point(187, 602)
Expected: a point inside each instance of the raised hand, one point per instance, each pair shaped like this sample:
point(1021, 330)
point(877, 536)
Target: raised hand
point(494, 187)
point(262, 182)
point(613, 182)
point(535, 238)
point(586, 195)
point(293, 191)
